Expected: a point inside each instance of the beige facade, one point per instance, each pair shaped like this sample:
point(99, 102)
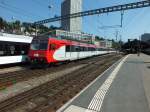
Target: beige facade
point(106, 44)
point(69, 7)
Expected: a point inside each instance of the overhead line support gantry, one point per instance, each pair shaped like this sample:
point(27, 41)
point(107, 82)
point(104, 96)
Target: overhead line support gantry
point(123, 7)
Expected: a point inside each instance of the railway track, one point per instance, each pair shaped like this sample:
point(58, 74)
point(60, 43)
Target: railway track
point(10, 78)
point(58, 91)
point(81, 79)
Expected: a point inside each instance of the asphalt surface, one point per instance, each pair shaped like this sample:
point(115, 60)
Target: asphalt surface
point(125, 87)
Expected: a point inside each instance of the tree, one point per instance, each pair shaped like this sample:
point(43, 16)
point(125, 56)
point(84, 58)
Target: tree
point(17, 26)
point(2, 23)
point(43, 29)
point(99, 38)
point(53, 27)
point(27, 27)
point(9, 27)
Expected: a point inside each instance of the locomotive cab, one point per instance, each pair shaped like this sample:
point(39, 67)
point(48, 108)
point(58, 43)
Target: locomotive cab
point(38, 50)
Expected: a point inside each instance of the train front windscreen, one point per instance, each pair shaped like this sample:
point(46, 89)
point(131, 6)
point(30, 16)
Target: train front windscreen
point(39, 44)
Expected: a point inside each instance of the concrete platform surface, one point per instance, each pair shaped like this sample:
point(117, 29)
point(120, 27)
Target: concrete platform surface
point(124, 87)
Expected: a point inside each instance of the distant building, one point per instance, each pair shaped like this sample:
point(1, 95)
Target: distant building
point(106, 43)
point(97, 43)
point(83, 37)
point(145, 37)
point(69, 7)
point(102, 43)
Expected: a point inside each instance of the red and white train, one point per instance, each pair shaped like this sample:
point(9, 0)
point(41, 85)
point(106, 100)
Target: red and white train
point(53, 47)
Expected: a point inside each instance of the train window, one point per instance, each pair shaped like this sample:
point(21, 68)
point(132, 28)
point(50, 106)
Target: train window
point(89, 48)
point(1, 53)
point(1, 49)
point(72, 48)
point(63, 37)
point(102, 49)
point(13, 48)
point(39, 46)
point(17, 49)
point(43, 46)
point(80, 48)
point(77, 49)
point(24, 49)
point(7, 50)
point(85, 49)
point(34, 46)
point(68, 48)
point(99, 49)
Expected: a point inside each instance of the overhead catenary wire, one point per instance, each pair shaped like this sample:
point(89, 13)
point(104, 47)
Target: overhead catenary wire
point(139, 14)
point(14, 11)
point(116, 8)
point(115, 26)
point(41, 4)
point(88, 27)
point(22, 11)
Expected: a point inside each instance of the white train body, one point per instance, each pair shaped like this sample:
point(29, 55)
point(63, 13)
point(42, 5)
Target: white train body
point(13, 48)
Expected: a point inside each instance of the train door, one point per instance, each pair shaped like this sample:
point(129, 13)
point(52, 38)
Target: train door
point(58, 51)
point(76, 53)
point(68, 52)
point(61, 51)
point(52, 48)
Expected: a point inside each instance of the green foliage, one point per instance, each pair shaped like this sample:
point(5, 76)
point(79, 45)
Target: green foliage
point(16, 26)
point(97, 38)
point(117, 45)
point(1, 23)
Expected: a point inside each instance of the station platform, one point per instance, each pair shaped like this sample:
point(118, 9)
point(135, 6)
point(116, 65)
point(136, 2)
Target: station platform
point(124, 87)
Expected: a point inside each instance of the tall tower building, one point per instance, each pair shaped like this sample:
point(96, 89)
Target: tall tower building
point(69, 7)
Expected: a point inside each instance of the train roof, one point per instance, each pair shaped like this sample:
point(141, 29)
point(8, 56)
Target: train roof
point(15, 38)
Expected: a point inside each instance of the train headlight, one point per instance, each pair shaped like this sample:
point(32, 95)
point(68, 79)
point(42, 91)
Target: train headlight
point(36, 55)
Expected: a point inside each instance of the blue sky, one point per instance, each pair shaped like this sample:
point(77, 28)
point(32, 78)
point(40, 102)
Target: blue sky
point(135, 23)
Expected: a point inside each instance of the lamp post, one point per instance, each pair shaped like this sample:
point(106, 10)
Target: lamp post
point(139, 46)
point(13, 18)
point(116, 35)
